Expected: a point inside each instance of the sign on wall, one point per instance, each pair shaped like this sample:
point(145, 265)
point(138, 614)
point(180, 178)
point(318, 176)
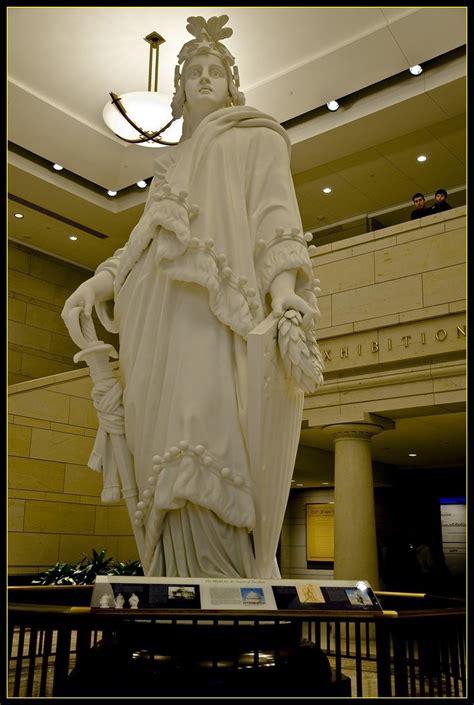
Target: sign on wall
point(320, 532)
point(453, 532)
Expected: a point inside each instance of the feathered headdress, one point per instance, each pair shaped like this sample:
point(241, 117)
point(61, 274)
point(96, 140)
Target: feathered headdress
point(207, 40)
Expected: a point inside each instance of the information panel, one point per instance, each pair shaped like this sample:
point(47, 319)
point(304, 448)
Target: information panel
point(134, 593)
point(320, 532)
point(453, 531)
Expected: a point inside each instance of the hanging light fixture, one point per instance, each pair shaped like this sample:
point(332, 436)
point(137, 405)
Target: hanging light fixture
point(144, 117)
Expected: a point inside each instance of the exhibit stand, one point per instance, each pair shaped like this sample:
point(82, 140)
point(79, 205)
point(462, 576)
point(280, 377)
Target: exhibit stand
point(209, 636)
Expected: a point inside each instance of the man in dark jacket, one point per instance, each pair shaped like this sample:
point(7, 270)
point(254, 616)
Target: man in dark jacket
point(420, 207)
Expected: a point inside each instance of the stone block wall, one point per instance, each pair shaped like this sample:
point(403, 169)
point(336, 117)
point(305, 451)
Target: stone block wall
point(38, 342)
point(54, 508)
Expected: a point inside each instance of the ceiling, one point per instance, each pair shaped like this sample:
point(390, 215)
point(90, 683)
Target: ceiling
point(64, 61)
point(392, 448)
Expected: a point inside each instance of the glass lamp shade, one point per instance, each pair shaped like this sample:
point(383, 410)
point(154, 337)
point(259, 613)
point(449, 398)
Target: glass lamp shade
point(147, 110)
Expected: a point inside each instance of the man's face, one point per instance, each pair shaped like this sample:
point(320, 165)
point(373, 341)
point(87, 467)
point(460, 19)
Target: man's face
point(440, 198)
point(419, 202)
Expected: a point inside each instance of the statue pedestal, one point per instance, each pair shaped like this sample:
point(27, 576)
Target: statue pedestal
point(239, 658)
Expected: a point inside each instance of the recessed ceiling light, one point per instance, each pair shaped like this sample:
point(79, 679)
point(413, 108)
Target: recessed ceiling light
point(333, 105)
point(19, 215)
point(421, 158)
point(327, 189)
point(325, 483)
point(299, 484)
point(330, 502)
point(72, 237)
point(412, 455)
point(142, 184)
point(111, 193)
point(58, 167)
point(416, 70)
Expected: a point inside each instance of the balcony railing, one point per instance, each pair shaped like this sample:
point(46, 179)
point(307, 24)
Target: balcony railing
point(414, 648)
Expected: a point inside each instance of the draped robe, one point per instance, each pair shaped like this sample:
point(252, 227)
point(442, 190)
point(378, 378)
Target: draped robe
point(189, 286)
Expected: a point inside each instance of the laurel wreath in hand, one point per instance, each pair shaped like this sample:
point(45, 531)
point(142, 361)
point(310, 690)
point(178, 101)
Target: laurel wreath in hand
point(300, 352)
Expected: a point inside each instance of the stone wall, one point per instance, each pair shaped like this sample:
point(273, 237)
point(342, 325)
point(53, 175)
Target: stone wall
point(393, 324)
point(38, 342)
point(54, 508)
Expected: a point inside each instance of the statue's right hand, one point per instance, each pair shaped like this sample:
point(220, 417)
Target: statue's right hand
point(83, 298)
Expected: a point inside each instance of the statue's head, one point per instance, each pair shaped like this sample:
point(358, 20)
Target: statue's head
point(208, 35)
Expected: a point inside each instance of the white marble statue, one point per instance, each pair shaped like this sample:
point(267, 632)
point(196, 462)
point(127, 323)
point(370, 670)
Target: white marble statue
point(104, 601)
point(119, 601)
point(218, 248)
point(133, 601)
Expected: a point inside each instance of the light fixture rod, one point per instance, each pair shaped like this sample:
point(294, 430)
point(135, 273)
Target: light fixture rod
point(154, 39)
point(150, 63)
point(144, 135)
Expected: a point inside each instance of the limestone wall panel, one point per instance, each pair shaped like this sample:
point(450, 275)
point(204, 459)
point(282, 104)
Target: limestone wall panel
point(119, 521)
point(101, 520)
point(61, 447)
point(81, 480)
point(59, 518)
point(19, 260)
point(34, 474)
point(32, 550)
point(35, 366)
point(444, 285)
point(16, 514)
point(422, 255)
point(19, 440)
point(73, 548)
point(82, 413)
point(350, 273)
point(377, 300)
point(126, 549)
point(41, 404)
point(16, 310)
point(29, 337)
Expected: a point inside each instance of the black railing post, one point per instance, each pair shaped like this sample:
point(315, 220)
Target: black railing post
point(400, 662)
point(31, 660)
point(48, 640)
point(61, 663)
point(358, 659)
point(337, 635)
point(382, 641)
point(19, 660)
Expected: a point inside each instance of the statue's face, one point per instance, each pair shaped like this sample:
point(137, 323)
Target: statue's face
point(205, 82)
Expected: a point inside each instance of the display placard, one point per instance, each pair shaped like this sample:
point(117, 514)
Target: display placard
point(453, 532)
point(134, 593)
point(320, 532)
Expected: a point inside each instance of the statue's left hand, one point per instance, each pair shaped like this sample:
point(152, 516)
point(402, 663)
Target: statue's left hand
point(284, 298)
point(290, 300)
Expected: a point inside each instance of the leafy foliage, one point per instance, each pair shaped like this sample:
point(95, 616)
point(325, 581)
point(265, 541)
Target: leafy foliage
point(130, 568)
point(86, 570)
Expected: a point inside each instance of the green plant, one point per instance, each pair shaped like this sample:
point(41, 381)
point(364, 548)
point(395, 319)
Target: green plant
point(86, 570)
point(129, 568)
point(59, 574)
